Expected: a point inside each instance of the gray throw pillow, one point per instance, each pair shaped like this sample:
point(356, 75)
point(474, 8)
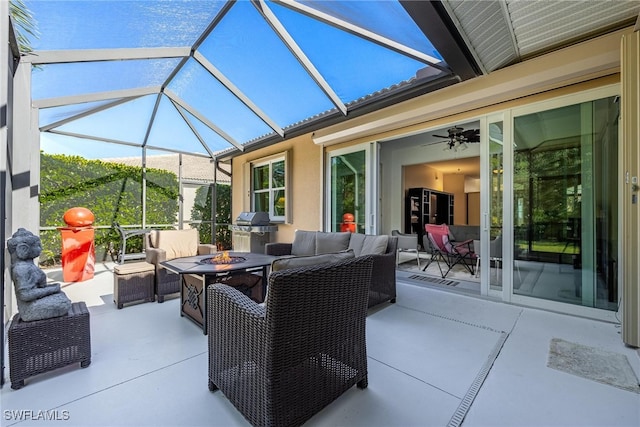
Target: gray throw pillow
point(327, 243)
point(304, 243)
point(356, 242)
point(374, 245)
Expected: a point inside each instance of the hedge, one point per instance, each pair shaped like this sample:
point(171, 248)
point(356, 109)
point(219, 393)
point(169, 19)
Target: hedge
point(113, 192)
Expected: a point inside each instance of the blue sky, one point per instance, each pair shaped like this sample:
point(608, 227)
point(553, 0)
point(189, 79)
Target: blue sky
point(243, 47)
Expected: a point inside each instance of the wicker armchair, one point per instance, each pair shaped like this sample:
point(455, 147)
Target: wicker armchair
point(164, 245)
point(281, 362)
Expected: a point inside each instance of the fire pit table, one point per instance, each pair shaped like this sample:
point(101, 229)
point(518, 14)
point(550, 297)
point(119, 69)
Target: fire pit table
point(198, 272)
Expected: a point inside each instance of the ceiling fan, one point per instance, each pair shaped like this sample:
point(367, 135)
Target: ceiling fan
point(459, 137)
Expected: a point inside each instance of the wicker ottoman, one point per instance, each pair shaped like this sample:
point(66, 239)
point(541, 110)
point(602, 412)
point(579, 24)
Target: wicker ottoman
point(44, 345)
point(133, 282)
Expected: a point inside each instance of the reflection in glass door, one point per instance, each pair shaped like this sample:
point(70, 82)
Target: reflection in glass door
point(496, 189)
point(565, 204)
point(348, 188)
point(348, 192)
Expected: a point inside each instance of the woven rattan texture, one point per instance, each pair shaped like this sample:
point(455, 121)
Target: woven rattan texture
point(44, 345)
point(167, 283)
point(281, 363)
point(383, 277)
point(383, 280)
point(133, 287)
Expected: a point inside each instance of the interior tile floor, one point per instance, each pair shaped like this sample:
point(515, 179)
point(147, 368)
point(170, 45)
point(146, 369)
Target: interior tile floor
point(436, 358)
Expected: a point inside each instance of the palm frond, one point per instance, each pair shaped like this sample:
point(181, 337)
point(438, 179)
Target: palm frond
point(24, 23)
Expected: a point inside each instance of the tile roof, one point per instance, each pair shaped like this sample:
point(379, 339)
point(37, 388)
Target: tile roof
point(193, 167)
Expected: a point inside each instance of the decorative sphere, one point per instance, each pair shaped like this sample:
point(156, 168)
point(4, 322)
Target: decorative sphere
point(78, 217)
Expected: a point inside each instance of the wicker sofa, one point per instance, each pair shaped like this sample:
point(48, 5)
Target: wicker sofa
point(281, 362)
point(314, 244)
point(165, 245)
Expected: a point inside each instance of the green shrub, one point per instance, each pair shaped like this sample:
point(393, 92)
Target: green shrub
point(112, 191)
point(201, 211)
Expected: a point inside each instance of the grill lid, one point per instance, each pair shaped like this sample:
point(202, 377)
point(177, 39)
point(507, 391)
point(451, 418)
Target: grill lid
point(253, 218)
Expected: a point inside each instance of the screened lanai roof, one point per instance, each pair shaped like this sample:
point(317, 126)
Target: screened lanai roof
point(215, 77)
point(208, 76)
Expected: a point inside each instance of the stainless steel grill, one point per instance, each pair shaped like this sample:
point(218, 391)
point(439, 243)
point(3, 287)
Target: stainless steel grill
point(251, 232)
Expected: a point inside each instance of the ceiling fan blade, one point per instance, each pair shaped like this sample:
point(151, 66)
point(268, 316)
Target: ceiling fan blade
point(442, 136)
point(472, 135)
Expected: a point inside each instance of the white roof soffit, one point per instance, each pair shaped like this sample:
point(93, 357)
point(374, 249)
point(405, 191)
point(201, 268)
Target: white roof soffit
point(94, 55)
point(293, 47)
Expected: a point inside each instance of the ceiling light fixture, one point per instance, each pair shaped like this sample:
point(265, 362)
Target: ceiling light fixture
point(458, 138)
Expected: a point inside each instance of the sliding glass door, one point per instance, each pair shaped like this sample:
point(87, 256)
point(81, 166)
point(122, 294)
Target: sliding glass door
point(492, 182)
point(351, 190)
point(565, 204)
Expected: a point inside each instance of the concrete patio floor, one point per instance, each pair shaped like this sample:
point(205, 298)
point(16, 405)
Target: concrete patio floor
point(436, 358)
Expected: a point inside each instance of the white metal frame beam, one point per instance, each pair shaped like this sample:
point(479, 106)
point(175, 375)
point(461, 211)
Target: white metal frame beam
point(152, 119)
point(93, 97)
point(86, 113)
point(179, 101)
point(193, 128)
point(215, 72)
point(129, 144)
point(363, 33)
point(43, 57)
point(297, 52)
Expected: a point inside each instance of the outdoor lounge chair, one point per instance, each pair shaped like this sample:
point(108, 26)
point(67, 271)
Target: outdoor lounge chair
point(165, 245)
point(281, 362)
point(407, 243)
point(495, 255)
point(450, 253)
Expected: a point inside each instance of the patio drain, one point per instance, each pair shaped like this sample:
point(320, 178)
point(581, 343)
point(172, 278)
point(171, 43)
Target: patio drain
point(434, 280)
point(465, 404)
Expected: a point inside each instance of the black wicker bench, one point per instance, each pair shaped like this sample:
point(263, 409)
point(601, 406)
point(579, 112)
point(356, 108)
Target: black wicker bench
point(44, 345)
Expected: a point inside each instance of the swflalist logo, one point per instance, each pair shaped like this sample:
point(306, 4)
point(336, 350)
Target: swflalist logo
point(31, 415)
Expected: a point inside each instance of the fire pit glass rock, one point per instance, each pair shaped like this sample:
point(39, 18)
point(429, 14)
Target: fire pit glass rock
point(223, 258)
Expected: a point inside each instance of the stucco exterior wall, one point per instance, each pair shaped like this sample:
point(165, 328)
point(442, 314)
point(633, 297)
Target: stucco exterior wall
point(305, 181)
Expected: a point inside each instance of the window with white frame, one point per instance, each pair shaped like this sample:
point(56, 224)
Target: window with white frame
point(268, 189)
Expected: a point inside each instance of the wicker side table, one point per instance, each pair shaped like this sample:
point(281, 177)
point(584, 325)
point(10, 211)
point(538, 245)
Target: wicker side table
point(133, 282)
point(44, 345)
